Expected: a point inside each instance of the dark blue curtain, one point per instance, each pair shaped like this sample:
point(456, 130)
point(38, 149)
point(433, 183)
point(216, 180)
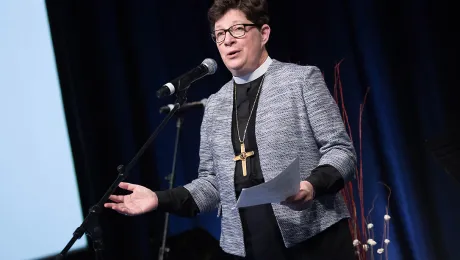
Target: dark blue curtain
point(112, 56)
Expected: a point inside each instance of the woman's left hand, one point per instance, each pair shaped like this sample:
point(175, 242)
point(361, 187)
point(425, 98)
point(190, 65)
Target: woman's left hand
point(302, 199)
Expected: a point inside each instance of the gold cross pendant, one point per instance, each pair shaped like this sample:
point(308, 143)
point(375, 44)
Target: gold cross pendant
point(242, 157)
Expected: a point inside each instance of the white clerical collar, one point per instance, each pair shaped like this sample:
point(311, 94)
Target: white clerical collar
point(255, 74)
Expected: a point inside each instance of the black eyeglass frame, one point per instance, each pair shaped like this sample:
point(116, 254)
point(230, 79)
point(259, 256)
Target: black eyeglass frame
point(213, 33)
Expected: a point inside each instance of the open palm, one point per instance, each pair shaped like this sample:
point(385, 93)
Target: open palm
point(140, 201)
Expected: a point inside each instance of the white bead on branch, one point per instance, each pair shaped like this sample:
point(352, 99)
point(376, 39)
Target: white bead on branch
point(371, 242)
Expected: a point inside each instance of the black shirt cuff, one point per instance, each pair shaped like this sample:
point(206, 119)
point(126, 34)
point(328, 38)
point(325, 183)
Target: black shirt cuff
point(177, 201)
point(326, 180)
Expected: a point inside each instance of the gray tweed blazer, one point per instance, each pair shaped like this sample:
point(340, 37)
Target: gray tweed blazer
point(296, 117)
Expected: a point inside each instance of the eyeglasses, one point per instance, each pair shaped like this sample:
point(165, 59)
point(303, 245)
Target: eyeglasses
point(237, 31)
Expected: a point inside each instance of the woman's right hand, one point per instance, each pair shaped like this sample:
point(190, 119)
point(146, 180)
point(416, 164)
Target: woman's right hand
point(140, 201)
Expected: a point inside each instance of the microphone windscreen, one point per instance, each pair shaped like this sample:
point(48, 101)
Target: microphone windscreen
point(211, 64)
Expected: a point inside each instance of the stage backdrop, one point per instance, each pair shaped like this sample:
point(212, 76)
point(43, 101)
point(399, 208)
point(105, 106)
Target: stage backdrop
point(113, 55)
point(40, 202)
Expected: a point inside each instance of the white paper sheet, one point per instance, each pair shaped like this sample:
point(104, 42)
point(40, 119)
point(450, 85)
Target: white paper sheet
point(276, 190)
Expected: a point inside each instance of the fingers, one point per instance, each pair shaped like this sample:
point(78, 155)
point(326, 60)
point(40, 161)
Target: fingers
point(299, 197)
point(117, 202)
point(127, 186)
point(114, 198)
point(109, 205)
point(298, 201)
point(117, 207)
point(120, 208)
point(117, 198)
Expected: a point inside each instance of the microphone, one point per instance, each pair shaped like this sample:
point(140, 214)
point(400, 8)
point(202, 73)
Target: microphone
point(166, 109)
point(207, 67)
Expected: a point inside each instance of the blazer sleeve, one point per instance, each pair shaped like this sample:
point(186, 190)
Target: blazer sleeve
point(335, 145)
point(204, 189)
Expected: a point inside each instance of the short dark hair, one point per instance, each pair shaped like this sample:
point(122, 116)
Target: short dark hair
point(256, 11)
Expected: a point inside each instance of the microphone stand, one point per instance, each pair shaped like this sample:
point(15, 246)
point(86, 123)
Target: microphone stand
point(90, 224)
point(170, 178)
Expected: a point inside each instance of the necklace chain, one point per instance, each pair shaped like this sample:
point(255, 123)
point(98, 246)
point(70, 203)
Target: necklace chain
point(250, 114)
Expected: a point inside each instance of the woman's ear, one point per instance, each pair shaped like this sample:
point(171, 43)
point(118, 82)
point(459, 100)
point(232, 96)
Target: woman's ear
point(265, 32)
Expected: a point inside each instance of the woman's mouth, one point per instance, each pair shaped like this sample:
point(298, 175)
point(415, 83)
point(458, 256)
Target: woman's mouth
point(232, 54)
